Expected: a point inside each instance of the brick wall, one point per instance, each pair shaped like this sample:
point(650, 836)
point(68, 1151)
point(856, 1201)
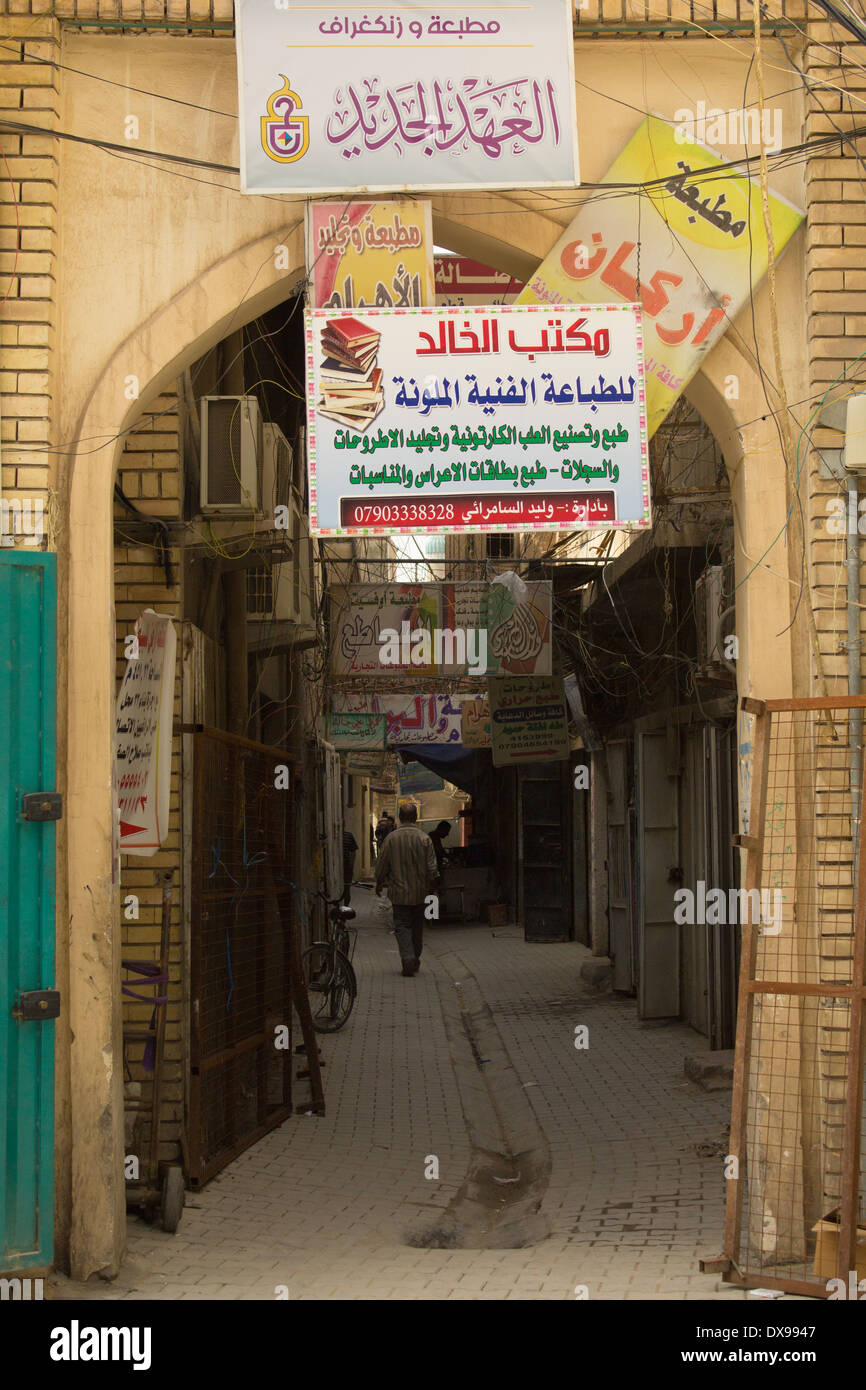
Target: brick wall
point(29, 92)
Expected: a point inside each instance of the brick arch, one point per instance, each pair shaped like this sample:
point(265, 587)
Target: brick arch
point(238, 287)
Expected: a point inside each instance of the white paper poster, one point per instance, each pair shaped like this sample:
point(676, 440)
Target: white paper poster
point(143, 732)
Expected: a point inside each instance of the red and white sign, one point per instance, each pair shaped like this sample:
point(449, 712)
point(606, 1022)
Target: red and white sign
point(494, 418)
point(143, 729)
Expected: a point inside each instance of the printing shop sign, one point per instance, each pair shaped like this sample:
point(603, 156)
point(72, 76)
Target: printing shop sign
point(498, 418)
point(406, 97)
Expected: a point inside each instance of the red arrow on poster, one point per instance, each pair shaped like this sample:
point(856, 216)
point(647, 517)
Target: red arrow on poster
point(127, 829)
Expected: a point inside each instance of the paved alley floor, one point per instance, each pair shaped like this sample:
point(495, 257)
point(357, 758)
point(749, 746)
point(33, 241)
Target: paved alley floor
point(470, 1149)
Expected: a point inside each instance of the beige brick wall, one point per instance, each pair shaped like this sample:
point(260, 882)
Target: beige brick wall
point(29, 93)
point(149, 474)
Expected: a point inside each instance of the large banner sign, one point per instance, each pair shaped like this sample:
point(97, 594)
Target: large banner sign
point(406, 97)
point(378, 254)
point(505, 418)
point(447, 629)
point(699, 232)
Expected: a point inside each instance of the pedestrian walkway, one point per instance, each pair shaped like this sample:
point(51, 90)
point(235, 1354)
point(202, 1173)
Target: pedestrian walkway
point(470, 1150)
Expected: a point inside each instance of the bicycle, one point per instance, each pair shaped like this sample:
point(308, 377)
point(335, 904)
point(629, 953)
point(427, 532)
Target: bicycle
point(328, 968)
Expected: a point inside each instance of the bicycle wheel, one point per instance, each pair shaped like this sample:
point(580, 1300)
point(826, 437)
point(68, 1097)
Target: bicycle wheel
point(336, 1003)
point(318, 967)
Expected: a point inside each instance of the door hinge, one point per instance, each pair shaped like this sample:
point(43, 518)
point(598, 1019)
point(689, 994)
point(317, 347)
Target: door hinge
point(37, 1005)
point(41, 806)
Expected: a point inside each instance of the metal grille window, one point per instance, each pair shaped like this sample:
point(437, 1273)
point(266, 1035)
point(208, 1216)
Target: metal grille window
point(260, 591)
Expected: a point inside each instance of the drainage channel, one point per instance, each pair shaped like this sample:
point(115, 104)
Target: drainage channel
point(498, 1205)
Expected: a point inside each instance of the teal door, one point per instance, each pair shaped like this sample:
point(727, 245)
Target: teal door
point(28, 719)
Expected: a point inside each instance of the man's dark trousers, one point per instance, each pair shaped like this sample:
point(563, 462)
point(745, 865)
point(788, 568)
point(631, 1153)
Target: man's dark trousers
point(409, 931)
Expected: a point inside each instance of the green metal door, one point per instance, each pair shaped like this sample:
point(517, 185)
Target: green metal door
point(28, 721)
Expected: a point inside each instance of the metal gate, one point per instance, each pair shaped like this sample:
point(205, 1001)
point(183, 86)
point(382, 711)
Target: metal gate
point(28, 718)
point(241, 947)
point(795, 1190)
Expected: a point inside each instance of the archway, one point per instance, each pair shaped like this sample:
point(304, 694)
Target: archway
point(232, 291)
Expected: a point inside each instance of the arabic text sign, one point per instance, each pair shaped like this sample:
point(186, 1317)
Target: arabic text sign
point(702, 242)
point(143, 728)
point(517, 634)
point(476, 723)
point(459, 280)
point(410, 718)
point(502, 418)
point(409, 97)
point(357, 731)
point(528, 720)
point(363, 254)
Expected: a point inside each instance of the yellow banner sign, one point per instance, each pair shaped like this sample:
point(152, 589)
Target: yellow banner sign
point(686, 249)
point(370, 255)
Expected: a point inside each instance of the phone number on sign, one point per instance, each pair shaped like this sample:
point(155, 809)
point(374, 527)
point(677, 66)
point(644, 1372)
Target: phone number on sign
point(481, 512)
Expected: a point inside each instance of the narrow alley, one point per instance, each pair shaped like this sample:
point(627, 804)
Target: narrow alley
point(564, 1172)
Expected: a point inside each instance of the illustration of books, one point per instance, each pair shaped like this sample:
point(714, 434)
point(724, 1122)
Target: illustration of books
point(350, 381)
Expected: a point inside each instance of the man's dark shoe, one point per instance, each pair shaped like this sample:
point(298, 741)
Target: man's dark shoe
point(410, 967)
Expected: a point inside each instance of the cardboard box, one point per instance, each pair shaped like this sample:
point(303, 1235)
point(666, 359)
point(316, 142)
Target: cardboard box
point(497, 914)
point(826, 1260)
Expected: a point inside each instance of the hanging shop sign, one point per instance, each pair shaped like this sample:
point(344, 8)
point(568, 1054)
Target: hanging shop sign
point(363, 764)
point(415, 778)
point(528, 720)
point(364, 618)
point(357, 731)
point(694, 238)
point(406, 97)
point(370, 254)
point(476, 723)
point(505, 418)
point(409, 718)
point(460, 281)
point(143, 729)
point(462, 629)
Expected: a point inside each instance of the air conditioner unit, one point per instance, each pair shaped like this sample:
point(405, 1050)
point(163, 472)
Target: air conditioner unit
point(710, 605)
point(232, 456)
point(276, 472)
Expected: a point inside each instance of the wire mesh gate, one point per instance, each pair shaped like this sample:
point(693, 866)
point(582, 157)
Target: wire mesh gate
point(243, 975)
point(795, 1191)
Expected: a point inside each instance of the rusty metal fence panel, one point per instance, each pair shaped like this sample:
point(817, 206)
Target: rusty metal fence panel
point(795, 1189)
point(241, 962)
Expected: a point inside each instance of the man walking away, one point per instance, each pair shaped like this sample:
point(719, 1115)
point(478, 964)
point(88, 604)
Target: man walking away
point(350, 849)
point(407, 863)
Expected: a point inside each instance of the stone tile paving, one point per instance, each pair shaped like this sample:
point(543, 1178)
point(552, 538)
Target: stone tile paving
point(323, 1207)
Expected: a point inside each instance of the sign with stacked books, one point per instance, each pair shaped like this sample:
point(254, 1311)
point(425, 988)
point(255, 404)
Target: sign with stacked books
point(493, 418)
point(350, 383)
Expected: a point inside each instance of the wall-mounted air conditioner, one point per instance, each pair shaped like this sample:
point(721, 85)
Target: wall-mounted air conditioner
point(712, 616)
point(232, 456)
point(276, 472)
